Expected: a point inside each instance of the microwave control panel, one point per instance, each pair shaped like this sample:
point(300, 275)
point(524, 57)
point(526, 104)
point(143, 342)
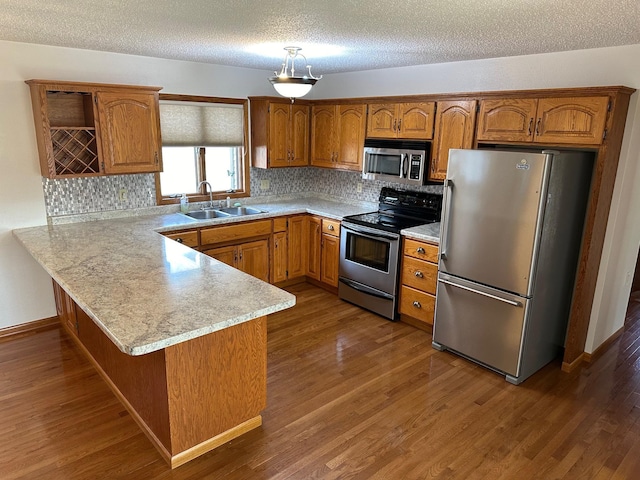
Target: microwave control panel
point(414, 167)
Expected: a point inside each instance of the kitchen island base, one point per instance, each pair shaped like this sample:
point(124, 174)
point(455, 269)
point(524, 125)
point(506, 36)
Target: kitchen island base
point(191, 397)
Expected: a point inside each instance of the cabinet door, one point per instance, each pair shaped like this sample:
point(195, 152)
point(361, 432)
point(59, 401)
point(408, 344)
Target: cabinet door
point(455, 124)
point(509, 120)
point(299, 142)
point(298, 246)
point(253, 258)
point(415, 120)
point(323, 119)
point(279, 130)
point(578, 120)
point(382, 121)
point(313, 265)
point(279, 257)
point(226, 255)
point(330, 259)
point(129, 132)
point(350, 136)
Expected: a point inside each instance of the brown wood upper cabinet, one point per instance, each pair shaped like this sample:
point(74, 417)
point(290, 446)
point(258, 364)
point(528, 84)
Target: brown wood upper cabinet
point(337, 136)
point(401, 120)
point(279, 134)
point(89, 129)
point(572, 120)
point(455, 124)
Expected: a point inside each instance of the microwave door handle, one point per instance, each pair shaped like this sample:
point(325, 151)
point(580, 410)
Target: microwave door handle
point(405, 165)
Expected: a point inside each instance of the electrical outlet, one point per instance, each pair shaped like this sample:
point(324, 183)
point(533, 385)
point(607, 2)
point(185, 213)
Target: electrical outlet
point(122, 194)
point(359, 187)
point(265, 184)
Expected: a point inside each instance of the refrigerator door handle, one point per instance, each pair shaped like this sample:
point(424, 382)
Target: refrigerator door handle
point(448, 193)
point(473, 290)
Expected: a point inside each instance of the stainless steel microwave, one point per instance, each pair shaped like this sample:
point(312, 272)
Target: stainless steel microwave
point(396, 161)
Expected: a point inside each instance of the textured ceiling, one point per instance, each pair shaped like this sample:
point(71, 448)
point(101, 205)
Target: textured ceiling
point(336, 35)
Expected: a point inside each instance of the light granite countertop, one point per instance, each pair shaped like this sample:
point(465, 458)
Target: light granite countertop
point(428, 233)
point(147, 292)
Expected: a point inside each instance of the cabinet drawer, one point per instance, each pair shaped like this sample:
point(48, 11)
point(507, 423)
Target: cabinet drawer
point(421, 250)
point(331, 227)
point(280, 224)
point(417, 304)
point(190, 239)
point(228, 233)
point(419, 274)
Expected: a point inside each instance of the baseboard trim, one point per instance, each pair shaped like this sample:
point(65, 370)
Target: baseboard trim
point(9, 333)
point(570, 367)
point(598, 352)
point(414, 322)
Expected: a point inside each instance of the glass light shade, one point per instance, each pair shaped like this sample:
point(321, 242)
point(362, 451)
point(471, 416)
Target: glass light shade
point(292, 87)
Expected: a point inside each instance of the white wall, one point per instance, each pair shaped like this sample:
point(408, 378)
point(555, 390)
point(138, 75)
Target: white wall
point(25, 289)
point(583, 68)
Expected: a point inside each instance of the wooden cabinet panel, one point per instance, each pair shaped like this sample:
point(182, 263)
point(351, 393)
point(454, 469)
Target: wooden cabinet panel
point(420, 275)
point(230, 233)
point(280, 224)
point(298, 246)
point(571, 120)
point(323, 120)
point(299, 139)
point(253, 258)
point(401, 120)
point(509, 120)
point(187, 237)
point(129, 132)
point(314, 238)
point(417, 304)
point(579, 120)
point(382, 120)
point(330, 259)
point(279, 135)
point(350, 137)
point(66, 309)
point(455, 125)
point(331, 227)
point(227, 254)
point(279, 257)
point(421, 250)
point(337, 136)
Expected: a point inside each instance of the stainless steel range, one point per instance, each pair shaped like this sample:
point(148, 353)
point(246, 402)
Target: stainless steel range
point(370, 248)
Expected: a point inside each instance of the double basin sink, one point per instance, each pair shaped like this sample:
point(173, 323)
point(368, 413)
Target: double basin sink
point(210, 213)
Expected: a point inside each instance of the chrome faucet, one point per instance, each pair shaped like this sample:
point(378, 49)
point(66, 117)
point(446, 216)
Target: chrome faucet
point(205, 191)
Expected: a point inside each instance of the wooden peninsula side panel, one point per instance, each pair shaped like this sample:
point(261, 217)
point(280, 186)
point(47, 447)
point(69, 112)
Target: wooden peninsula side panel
point(191, 397)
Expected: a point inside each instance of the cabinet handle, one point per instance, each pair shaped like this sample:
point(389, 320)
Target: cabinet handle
point(530, 125)
point(399, 124)
point(156, 156)
point(395, 122)
point(179, 240)
point(419, 274)
point(417, 304)
point(420, 250)
point(538, 126)
point(330, 227)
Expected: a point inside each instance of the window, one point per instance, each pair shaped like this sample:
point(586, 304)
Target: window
point(202, 140)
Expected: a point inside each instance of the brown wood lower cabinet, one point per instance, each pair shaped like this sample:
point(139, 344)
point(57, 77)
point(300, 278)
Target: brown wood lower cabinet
point(289, 247)
point(249, 257)
point(65, 308)
point(419, 276)
point(324, 250)
point(187, 398)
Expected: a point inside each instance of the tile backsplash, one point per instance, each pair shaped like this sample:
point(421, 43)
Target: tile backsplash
point(98, 194)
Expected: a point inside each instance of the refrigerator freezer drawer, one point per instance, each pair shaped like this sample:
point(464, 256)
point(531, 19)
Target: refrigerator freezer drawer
point(482, 323)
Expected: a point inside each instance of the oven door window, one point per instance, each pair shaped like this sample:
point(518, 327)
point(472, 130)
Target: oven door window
point(367, 251)
point(387, 164)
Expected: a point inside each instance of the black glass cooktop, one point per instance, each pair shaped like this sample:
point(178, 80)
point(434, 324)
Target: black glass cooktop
point(400, 209)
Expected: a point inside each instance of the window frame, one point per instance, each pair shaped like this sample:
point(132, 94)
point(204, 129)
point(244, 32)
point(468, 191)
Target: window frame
point(203, 196)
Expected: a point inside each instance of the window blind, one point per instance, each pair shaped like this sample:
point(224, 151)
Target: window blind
point(196, 124)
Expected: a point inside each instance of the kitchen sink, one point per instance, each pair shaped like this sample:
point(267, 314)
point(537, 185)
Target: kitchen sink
point(240, 211)
point(206, 214)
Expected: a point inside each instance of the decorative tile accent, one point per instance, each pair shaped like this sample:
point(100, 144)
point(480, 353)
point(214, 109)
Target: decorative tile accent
point(99, 194)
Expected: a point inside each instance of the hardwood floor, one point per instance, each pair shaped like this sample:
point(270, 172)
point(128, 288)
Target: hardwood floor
point(350, 395)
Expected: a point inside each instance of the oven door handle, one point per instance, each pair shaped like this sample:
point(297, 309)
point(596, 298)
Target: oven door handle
point(355, 286)
point(368, 233)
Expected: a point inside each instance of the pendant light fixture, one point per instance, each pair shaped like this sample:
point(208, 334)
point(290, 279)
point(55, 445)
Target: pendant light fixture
point(288, 85)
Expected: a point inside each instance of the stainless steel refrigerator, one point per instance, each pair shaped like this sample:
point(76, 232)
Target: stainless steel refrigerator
point(511, 231)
